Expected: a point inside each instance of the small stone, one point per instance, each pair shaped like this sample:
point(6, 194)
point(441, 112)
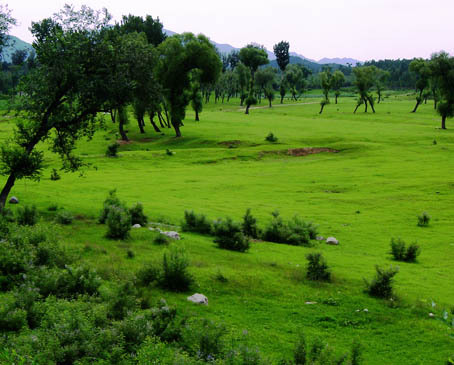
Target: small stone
point(431, 315)
point(310, 303)
point(365, 310)
point(332, 241)
point(136, 226)
point(14, 200)
point(172, 234)
point(320, 238)
point(198, 299)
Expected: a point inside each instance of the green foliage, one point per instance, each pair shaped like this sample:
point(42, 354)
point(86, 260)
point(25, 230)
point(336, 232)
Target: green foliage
point(381, 285)
point(196, 223)
point(175, 274)
point(110, 202)
point(118, 223)
point(300, 353)
point(203, 340)
point(282, 55)
point(112, 150)
point(271, 138)
point(295, 231)
point(161, 239)
point(401, 253)
point(122, 300)
point(54, 176)
point(137, 215)
point(423, 219)
point(27, 215)
point(229, 235)
point(53, 207)
point(317, 268)
point(64, 217)
point(12, 319)
point(249, 225)
point(16, 160)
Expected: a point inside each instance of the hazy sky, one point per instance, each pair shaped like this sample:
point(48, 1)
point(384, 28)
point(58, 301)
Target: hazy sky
point(360, 29)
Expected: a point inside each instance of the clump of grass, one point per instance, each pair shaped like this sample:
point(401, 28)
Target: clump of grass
point(64, 217)
point(249, 225)
point(402, 253)
point(54, 176)
point(118, 223)
point(175, 274)
point(53, 207)
point(137, 215)
point(229, 235)
point(169, 152)
point(271, 138)
point(221, 277)
point(112, 150)
point(317, 268)
point(423, 219)
point(194, 222)
point(161, 239)
point(381, 285)
point(130, 254)
point(27, 216)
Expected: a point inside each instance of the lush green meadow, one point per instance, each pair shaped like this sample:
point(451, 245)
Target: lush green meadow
point(389, 167)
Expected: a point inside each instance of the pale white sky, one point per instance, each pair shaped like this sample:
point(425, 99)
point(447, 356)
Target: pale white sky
point(360, 29)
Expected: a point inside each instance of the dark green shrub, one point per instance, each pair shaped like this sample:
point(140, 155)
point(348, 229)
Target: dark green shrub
point(300, 353)
point(249, 225)
point(27, 216)
point(14, 261)
point(53, 207)
point(137, 215)
point(149, 274)
point(295, 231)
point(130, 254)
point(402, 253)
point(271, 138)
point(196, 223)
point(277, 230)
point(382, 285)
point(112, 150)
point(203, 339)
point(50, 254)
point(317, 268)
point(161, 239)
point(169, 152)
point(64, 217)
point(111, 201)
point(229, 235)
point(30, 235)
point(423, 219)
point(175, 275)
point(12, 319)
point(7, 215)
point(121, 301)
point(356, 354)
point(118, 223)
point(54, 176)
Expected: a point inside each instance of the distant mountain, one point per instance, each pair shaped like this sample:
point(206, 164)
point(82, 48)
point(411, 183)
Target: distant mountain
point(301, 56)
point(14, 44)
point(339, 61)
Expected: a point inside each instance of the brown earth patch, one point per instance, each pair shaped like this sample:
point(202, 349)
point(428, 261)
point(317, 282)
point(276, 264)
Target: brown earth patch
point(230, 144)
point(122, 143)
point(296, 152)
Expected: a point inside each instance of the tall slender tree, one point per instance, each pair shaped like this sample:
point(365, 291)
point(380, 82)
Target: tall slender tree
point(442, 69)
point(281, 51)
point(337, 82)
point(364, 80)
point(421, 69)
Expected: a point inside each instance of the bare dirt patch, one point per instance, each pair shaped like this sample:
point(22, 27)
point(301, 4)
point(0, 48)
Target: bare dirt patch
point(122, 143)
point(296, 152)
point(230, 144)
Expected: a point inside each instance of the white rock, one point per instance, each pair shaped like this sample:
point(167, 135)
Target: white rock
point(136, 226)
point(14, 200)
point(172, 234)
point(320, 238)
point(198, 299)
point(431, 315)
point(365, 310)
point(332, 241)
point(310, 303)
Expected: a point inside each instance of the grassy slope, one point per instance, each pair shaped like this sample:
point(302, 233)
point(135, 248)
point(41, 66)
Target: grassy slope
point(388, 170)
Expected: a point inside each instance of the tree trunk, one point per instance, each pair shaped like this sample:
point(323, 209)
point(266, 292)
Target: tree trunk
point(435, 104)
point(123, 135)
point(416, 106)
point(6, 190)
point(322, 106)
point(357, 106)
point(270, 102)
point(336, 100)
point(155, 127)
point(443, 122)
point(197, 116)
point(176, 126)
point(365, 103)
point(282, 99)
point(113, 114)
point(247, 109)
point(141, 124)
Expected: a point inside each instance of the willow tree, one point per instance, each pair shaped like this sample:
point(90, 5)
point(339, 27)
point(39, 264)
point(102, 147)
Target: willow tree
point(364, 80)
point(442, 69)
point(180, 55)
point(77, 75)
point(326, 83)
point(421, 68)
point(281, 51)
point(337, 82)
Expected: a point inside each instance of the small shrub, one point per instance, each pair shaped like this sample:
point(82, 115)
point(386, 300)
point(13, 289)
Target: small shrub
point(423, 219)
point(112, 150)
point(111, 201)
point(175, 275)
point(121, 301)
point(54, 176)
point(7, 215)
point(271, 138)
point(118, 223)
point(137, 215)
point(130, 254)
point(196, 223)
point(149, 274)
point(169, 152)
point(382, 285)
point(402, 253)
point(317, 268)
point(221, 277)
point(27, 216)
point(228, 235)
point(249, 225)
point(12, 319)
point(300, 353)
point(64, 217)
point(203, 339)
point(53, 207)
point(161, 239)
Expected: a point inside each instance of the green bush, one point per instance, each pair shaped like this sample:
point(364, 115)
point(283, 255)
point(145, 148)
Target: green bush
point(423, 219)
point(118, 223)
point(112, 150)
point(229, 235)
point(7, 215)
point(249, 225)
point(54, 176)
point(161, 239)
point(12, 319)
point(53, 207)
point(175, 275)
point(271, 138)
point(381, 285)
point(300, 353)
point(14, 261)
point(149, 274)
point(27, 216)
point(137, 215)
point(203, 339)
point(64, 217)
point(402, 253)
point(111, 201)
point(121, 301)
point(317, 268)
point(196, 223)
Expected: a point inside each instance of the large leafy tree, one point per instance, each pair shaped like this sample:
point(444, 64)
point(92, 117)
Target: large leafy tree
point(281, 51)
point(421, 69)
point(252, 57)
point(180, 55)
point(152, 28)
point(326, 83)
point(265, 79)
point(364, 80)
point(80, 69)
point(381, 81)
point(295, 79)
point(442, 69)
point(337, 82)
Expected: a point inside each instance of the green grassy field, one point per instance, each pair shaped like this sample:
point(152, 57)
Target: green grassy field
point(387, 170)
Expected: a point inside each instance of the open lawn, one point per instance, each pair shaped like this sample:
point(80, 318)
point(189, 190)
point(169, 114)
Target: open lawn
point(387, 168)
